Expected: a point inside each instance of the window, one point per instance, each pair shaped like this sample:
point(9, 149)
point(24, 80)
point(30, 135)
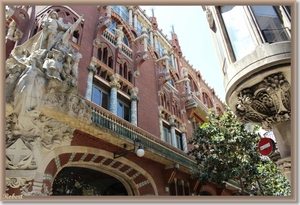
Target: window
point(122, 11)
point(139, 27)
point(167, 135)
point(270, 24)
point(123, 110)
point(100, 97)
point(206, 100)
point(179, 141)
point(160, 49)
point(237, 30)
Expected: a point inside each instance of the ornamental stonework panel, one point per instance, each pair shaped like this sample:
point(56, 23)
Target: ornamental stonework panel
point(265, 103)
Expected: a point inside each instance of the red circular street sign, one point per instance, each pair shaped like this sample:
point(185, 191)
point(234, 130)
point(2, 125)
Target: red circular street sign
point(266, 146)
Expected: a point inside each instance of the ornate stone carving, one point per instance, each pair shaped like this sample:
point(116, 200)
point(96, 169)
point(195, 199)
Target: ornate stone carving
point(267, 102)
point(115, 81)
point(39, 134)
point(284, 165)
point(16, 182)
point(209, 18)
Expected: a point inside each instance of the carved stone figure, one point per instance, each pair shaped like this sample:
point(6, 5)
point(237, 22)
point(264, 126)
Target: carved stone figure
point(51, 27)
point(119, 35)
point(53, 66)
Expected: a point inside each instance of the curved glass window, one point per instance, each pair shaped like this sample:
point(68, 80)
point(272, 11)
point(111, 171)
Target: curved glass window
point(237, 30)
point(270, 24)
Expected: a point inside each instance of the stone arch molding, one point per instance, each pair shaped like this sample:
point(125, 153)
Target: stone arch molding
point(126, 171)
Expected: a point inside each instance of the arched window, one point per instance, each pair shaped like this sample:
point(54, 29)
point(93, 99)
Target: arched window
point(122, 11)
point(207, 100)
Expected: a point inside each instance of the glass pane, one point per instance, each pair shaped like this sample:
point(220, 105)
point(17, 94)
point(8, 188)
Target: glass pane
point(120, 109)
point(166, 135)
point(126, 113)
point(105, 100)
point(96, 96)
point(269, 23)
point(239, 35)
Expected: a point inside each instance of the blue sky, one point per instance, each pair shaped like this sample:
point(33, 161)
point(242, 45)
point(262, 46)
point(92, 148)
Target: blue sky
point(195, 40)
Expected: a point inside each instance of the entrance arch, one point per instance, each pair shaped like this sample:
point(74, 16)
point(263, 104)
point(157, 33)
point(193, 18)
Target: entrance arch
point(82, 181)
point(136, 180)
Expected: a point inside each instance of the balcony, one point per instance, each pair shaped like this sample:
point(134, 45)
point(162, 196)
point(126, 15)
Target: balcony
point(105, 120)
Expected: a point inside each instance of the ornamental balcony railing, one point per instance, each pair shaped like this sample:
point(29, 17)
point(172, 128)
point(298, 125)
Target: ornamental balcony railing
point(105, 119)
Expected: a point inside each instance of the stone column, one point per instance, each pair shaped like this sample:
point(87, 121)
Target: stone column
point(89, 84)
point(135, 20)
point(115, 85)
point(183, 136)
point(172, 59)
point(144, 33)
point(151, 37)
point(134, 99)
point(172, 129)
point(175, 60)
point(161, 117)
point(167, 59)
point(130, 9)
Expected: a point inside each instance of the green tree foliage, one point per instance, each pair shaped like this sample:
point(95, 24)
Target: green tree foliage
point(225, 150)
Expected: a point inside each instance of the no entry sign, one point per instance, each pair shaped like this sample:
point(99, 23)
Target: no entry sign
point(266, 146)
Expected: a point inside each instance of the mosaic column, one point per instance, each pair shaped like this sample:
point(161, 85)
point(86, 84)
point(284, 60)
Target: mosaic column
point(134, 99)
point(172, 129)
point(89, 84)
point(115, 85)
point(183, 136)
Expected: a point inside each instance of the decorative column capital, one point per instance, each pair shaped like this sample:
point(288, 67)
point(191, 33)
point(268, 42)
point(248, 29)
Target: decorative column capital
point(133, 94)
point(92, 68)
point(172, 121)
point(130, 8)
point(115, 80)
point(182, 128)
point(97, 43)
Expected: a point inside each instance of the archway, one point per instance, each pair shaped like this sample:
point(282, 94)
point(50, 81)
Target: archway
point(80, 181)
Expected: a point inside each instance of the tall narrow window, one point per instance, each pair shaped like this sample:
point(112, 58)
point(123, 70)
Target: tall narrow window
point(123, 110)
point(270, 23)
point(167, 135)
point(100, 97)
point(237, 30)
point(179, 141)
